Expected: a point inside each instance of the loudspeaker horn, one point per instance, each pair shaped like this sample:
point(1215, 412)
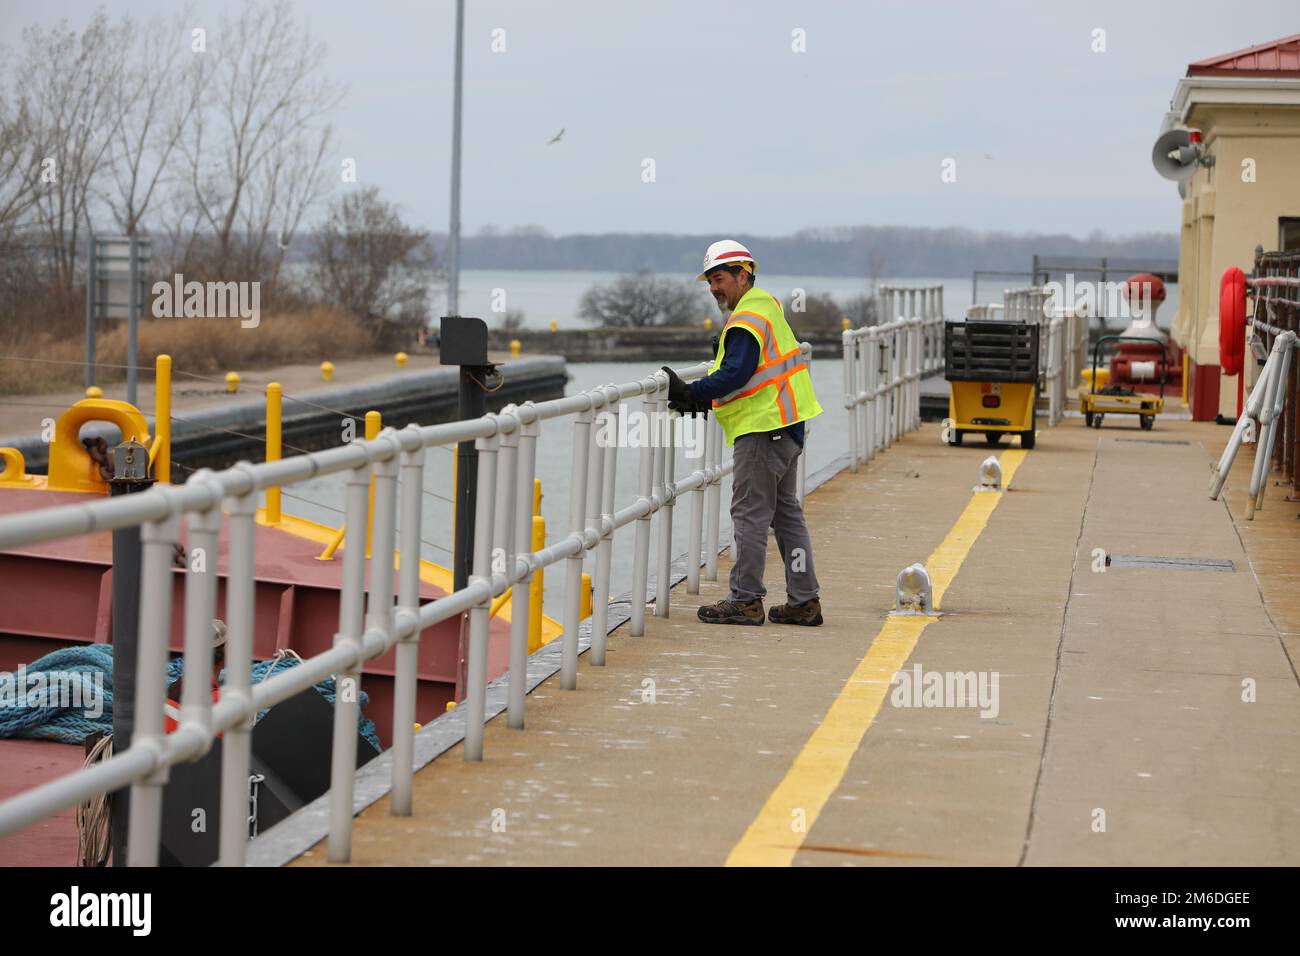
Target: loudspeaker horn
point(1175, 155)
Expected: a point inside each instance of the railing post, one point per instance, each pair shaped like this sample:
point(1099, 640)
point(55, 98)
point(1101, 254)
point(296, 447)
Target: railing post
point(236, 745)
point(665, 430)
point(645, 491)
point(605, 550)
point(850, 396)
point(715, 448)
point(573, 564)
point(597, 450)
point(801, 472)
point(347, 682)
point(407, 652)
point(479, 614)
point(202, 529)
point(695, 526)
point(520, 595)
point(157, 539)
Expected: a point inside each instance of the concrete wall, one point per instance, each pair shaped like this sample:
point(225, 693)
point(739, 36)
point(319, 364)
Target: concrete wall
point(207, 439)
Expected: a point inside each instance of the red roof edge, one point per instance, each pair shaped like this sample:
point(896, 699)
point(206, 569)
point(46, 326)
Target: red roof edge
point(1277, 58)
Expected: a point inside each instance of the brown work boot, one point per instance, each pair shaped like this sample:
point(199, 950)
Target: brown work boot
point(732, 612)
point(809, 613)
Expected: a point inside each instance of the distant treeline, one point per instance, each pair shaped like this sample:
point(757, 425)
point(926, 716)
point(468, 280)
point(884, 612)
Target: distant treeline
point(866, 251)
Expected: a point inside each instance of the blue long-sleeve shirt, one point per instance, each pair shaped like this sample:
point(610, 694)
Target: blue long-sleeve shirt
point(739, 360)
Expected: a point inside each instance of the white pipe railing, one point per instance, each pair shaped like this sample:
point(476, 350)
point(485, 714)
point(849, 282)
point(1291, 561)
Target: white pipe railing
point(1265, 404)
point(883, 368)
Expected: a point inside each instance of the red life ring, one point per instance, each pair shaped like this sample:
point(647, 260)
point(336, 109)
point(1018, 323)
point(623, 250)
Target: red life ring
point(1232, 320)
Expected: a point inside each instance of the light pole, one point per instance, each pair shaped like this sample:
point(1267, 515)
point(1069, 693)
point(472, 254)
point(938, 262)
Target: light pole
point(453, 244)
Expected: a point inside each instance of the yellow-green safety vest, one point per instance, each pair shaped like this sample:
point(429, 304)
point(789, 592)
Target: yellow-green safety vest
point(780, 392)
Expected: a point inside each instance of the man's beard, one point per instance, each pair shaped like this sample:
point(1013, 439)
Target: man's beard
point(722, 304)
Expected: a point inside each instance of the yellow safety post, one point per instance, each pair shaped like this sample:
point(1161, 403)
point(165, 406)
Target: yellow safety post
point(374, 424)
point(232, 382)
point(274, 427)
point(538, 584)
point(584, 605)
point(327, 370)
point(400, 359)
point(451, 705)
point(160, 451)
point(845, 324)
point(515, 348)
point(555, 325)
point(94, 392)
point(708, 324)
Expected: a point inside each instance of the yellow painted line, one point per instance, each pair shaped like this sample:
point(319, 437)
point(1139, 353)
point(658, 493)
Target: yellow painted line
point(779, 830)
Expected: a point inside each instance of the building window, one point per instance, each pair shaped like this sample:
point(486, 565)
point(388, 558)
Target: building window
point(1288, 234)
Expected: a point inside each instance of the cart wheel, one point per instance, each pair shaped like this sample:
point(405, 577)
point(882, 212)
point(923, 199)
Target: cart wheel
point(956, 436)
point(1027, 439)
point(1087, 419)
point(1096, 420)
point(993, 437)
point(1147, 421)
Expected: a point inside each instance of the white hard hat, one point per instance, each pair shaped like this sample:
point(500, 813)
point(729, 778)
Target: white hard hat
point(726, 252)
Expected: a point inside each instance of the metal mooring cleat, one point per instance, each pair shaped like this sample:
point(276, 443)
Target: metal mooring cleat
point(915, 595)
point(990, 475)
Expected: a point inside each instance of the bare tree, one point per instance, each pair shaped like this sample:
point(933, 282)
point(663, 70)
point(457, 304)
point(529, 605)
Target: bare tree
point(266, 93)
point(70, 81)
point(643, 299)
point(159, 90)
point(370, 262)
point(21, 151)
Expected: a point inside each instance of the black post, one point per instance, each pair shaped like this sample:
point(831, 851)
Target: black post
point(472, 404)
point(126, 631)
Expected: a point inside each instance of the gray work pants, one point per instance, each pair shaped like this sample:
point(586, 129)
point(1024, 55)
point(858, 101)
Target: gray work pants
point(762, 497)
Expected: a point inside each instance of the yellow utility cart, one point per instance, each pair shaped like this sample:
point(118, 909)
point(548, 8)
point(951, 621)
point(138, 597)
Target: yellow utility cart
point(1097, 403)
point(992, 369)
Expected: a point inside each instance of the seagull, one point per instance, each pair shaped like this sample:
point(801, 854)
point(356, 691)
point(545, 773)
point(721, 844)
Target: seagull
point(556, 137)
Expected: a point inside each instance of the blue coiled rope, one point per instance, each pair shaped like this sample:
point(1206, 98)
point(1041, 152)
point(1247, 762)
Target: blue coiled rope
point(91, 667)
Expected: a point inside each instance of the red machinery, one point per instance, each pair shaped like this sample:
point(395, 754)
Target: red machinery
point(1141, 364)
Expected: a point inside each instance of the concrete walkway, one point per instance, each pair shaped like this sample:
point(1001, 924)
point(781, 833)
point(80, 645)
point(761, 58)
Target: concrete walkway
point(1118, 733)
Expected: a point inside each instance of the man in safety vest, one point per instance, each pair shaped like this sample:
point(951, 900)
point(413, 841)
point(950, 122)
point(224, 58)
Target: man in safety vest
point(760, 389)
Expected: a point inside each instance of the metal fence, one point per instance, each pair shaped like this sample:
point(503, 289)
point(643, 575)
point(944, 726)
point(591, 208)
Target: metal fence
point(370, 624)
point(883, 368)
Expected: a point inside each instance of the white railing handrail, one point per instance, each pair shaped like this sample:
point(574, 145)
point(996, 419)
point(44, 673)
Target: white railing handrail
point(371, 623)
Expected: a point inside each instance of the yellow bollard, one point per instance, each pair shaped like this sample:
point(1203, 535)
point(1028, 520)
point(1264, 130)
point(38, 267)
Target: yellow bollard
point(708, 324)
point(515, 348)
point(160, 452)
point(584, 604)
point(94, 392)
point(327, 370)
point(374, 424)
point(274, 427)
point(451, 705)
point(845, 324)
point(555, 325)
point(400, 359)
point(232, 382)
point(536, 588)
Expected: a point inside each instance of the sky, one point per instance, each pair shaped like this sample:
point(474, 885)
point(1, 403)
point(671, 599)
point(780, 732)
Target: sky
point(763, 117)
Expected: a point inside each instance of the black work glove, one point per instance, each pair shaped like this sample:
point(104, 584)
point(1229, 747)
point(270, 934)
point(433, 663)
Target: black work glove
point(679, 393)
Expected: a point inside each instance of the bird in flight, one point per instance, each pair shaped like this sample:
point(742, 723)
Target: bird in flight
point(556, 137)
